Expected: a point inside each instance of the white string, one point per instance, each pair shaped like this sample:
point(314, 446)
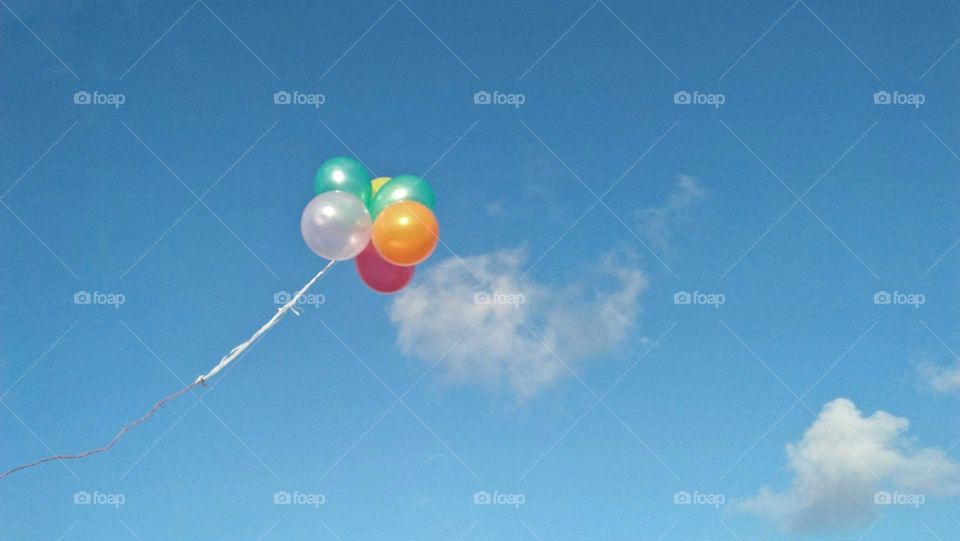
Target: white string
point(201, 380)
point(236, 351)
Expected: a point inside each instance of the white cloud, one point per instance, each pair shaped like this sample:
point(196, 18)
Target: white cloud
point(496, 208)
point(514, 332)
point(659, 222)
point(942, 379)
point(843, 459)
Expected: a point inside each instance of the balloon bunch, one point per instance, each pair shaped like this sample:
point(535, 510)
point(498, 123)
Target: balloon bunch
point(387, 224)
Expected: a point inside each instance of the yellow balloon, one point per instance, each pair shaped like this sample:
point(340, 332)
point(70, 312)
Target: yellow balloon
point(377, 183)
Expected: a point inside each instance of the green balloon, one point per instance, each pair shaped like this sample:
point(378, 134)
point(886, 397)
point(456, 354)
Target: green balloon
point(343, 174)
point(402, 188)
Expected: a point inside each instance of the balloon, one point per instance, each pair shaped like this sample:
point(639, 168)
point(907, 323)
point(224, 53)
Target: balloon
point(379, 274)
point(345, 175)
point(335, 225)
point(376, 184)
point(405, 233)
point(402, 188)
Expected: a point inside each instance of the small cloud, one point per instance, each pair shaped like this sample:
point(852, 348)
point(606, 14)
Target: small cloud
point(485, 321)
point(659, 223)
point(841, 463)
point(939, 378)
point(496, 208)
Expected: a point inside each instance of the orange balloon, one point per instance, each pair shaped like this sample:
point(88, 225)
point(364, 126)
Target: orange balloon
point(405, 233)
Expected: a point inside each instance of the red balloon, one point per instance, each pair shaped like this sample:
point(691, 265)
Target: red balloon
point(379, 274)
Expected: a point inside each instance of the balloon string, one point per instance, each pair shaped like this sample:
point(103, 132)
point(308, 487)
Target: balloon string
point(108, 446)
point(201, 380)
point(236, 351)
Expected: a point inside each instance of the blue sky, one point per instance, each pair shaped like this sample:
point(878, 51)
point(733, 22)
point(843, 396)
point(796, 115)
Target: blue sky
point(544, 354)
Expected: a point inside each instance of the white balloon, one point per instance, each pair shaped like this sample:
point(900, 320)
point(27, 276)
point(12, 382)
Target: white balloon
point(336, 225)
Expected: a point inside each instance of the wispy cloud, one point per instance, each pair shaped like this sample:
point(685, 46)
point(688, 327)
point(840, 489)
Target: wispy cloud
point(492, 324)
point(940, 378)
point(843, 460)
point(660, 222)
